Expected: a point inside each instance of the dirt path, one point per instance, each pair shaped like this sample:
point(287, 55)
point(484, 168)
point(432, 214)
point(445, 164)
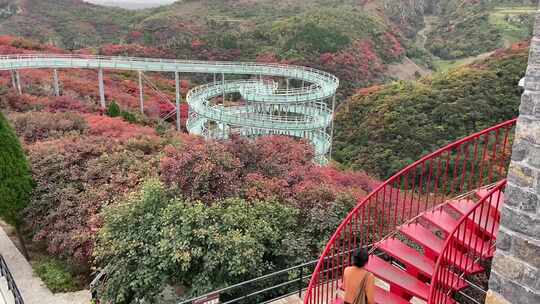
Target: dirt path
point(421, 36)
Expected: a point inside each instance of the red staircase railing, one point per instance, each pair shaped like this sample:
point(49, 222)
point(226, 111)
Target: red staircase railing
point(470, 163)
point(481, 220)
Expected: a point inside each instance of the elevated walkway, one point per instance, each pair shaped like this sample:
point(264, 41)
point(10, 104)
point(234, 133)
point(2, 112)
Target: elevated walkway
point(304, 110)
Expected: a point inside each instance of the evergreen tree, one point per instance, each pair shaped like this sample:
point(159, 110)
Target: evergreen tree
point(15, 178)
point(113, 110)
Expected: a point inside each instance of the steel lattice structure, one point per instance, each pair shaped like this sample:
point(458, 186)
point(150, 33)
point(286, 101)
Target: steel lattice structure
point(274, 98)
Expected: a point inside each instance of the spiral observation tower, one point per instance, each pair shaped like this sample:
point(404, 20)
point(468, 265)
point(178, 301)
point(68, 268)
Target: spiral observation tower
point(255, 99)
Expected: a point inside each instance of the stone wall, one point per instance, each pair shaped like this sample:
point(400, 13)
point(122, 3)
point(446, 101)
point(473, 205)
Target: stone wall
point(515, 275)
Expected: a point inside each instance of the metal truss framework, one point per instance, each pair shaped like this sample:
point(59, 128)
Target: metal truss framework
point(272, 98)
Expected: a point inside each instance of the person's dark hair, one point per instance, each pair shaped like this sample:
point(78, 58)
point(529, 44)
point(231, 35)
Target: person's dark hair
point(360, 258)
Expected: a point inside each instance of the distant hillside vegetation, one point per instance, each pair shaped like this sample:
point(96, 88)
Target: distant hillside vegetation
point(356, 40)
point(384, 128)
point(467, 28)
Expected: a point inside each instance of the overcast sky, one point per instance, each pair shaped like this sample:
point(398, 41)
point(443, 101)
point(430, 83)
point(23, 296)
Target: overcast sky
point(132, 3)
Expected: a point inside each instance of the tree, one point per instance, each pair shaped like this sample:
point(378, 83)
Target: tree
point(15, 178)
point(154, 239)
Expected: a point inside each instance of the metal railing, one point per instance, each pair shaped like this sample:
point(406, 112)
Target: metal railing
point(477, 229)
point(264, 289)
point(4, 272)
point(470, 163)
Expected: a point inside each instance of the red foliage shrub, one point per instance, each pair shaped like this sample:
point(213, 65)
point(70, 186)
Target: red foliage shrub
point(392, 48)
point(36, 126)
point(134, 50)
point(67, 104)
point(116, 128)
point(201, 170)
point(358, 64)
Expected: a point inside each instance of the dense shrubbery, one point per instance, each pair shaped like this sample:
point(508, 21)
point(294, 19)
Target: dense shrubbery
point(154, 239)
point(384, 129)
point(56, 275)
point(37, 126)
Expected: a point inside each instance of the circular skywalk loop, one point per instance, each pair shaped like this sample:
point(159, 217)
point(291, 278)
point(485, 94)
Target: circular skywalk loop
point(268, 98)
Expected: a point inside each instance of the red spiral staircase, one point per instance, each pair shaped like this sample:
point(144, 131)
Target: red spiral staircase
point(430, 229)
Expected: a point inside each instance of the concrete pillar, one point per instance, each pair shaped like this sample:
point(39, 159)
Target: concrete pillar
point(56, 84)
point(18, 81)
point(178, 100)
point(101, 89)
point(332, 128)
point(13, 80)
point(223, 86)
point(141, 92)
point(515, 273)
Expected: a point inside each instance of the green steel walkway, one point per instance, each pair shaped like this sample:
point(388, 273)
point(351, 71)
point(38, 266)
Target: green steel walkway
point(304, 110)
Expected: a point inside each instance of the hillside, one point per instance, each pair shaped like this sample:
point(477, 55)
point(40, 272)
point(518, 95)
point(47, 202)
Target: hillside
point(384, 128)
point(356, 40)
point(465, 28)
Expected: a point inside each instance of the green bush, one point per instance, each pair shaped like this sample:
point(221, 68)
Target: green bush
point(129, 117)
point(55, 274)
point(113, 110)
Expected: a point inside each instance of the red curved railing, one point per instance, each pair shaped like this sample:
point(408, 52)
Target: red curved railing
point(481, 220)
point(470, 163)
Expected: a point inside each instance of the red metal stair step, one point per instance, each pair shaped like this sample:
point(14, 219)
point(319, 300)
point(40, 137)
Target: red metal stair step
point(466, 237)
point(483, 218)
point(430, 241)
point(493, 201)
point(381, 297)
point(413, 258)
point(396, 276)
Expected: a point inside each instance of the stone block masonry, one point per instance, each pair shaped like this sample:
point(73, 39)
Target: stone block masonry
point(515, 274)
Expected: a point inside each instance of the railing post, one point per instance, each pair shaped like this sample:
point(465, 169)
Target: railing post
point(300, 282)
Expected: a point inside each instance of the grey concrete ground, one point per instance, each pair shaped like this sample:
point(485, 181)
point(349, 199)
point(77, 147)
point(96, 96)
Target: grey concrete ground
point(33, 290)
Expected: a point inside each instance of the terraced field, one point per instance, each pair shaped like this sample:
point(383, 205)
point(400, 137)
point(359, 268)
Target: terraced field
point(514, 22)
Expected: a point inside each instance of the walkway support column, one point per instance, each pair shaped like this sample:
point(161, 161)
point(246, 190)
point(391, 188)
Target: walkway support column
point(13, 80)
point(101, 89)
point(141, 92)
point(56, 84)
point(178, 100)
point(18, 80)
point(332, 127)
point(223, 86)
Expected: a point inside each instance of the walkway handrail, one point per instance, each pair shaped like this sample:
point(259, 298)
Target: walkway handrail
point(464, 235)
point(460, 167)
point(4, 272)
point(296, 284)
